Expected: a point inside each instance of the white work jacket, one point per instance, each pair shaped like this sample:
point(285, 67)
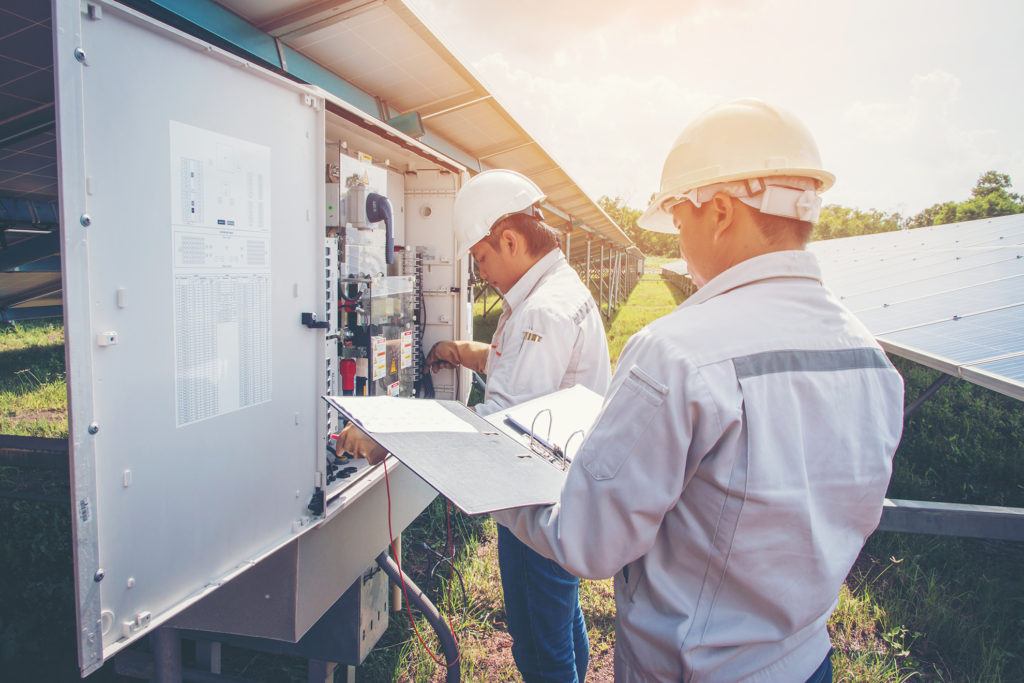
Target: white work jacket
point(738, 465)
point(549, 337)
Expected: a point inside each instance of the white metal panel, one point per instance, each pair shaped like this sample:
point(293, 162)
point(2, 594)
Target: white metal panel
point(166, 509)
point(429, 207)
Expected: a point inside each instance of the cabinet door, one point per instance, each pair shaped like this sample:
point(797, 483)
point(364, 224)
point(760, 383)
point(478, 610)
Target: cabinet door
point(193, 240)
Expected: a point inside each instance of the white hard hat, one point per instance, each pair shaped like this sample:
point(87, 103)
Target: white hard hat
point(740, 141)
point(486, 199)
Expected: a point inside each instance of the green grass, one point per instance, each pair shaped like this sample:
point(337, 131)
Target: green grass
point(918, 608)
point(33, 395)
point(653, 264)
point(652, 298)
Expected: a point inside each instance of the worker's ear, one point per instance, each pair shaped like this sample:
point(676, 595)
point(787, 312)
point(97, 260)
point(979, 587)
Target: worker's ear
point(723, 213)
point(511, 242)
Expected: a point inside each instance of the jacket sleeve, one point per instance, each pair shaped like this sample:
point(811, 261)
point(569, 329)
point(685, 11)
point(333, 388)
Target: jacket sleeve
point(628, 473)
point(534, 359)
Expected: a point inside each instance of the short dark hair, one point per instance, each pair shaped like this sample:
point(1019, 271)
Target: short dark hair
point(540, 237)
point(777, 228)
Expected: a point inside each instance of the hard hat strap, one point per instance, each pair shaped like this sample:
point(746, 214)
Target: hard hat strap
point(784, 196)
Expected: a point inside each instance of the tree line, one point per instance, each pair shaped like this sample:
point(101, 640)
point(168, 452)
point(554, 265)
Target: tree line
point(992, 195)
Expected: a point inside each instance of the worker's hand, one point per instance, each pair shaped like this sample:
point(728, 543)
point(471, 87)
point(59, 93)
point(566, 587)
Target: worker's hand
point(450, 354)
point(355, 442)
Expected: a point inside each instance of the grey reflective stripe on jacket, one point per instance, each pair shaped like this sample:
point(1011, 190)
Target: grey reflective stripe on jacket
point(739, 463)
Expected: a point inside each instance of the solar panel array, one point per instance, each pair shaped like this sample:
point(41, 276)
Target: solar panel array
point(950, 297)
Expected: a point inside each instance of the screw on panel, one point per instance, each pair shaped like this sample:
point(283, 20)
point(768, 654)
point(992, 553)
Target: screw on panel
point(94, 428)
point(98, 576)
point(80, 54)
point(85, 219)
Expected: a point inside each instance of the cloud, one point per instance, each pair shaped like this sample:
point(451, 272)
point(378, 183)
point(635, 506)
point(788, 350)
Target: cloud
point(610, 131)
point(914, 152)
point(606, 87)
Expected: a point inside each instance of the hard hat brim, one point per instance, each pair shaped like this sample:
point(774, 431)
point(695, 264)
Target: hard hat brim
point(657, 219)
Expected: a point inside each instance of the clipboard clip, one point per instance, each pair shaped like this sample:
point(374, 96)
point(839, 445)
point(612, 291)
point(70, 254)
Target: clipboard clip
point(536, 440)
point(545, 448)
point(565, 449)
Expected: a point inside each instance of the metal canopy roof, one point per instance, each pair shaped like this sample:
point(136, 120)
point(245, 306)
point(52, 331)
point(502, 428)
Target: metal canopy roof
point(385, 49)
point(950, 297)
point(380, 46)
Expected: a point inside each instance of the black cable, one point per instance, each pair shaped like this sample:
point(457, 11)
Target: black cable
point(424, 387)
point(442, 559)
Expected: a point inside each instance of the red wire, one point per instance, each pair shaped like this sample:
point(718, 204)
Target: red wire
point(401, 575)
point(450, 547)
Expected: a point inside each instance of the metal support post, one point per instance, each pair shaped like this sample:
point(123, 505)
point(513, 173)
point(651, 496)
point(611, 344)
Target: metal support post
point(589, 281)
point(166, 644)
point(619, 258)
point(927, 394)
point(618, 279)
point(320, 672)
point(208, 655)
point(612, 255)
point(600, 275)
point(396, 588)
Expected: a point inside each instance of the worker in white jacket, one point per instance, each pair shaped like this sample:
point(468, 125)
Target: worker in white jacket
point(744, 448)
point(549, 337)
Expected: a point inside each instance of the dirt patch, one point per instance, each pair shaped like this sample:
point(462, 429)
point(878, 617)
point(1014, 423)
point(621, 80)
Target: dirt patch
point(47, 415)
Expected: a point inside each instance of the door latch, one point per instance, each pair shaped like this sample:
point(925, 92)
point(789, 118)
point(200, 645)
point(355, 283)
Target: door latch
point(310, 321)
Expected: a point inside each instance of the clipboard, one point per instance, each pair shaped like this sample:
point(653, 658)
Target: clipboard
point(480, 469)
point(480, 464)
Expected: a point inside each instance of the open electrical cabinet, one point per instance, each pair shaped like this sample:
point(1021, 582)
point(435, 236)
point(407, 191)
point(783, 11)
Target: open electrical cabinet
point(222, 258)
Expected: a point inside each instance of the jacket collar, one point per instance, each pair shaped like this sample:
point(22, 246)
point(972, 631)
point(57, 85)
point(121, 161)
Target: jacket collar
point(526, 284)
point(801, 264)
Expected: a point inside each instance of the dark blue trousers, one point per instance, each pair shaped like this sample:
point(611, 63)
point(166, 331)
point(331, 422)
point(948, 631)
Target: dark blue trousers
point(542, 604)
point(824, 672)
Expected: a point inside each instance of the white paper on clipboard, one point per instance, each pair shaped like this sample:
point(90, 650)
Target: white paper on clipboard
point(559, 421)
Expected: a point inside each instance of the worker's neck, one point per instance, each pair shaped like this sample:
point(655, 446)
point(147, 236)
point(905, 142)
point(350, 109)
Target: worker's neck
point(757, 246)
point(522, 264)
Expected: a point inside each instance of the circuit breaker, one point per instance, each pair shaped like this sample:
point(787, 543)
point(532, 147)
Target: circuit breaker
point(376, 294)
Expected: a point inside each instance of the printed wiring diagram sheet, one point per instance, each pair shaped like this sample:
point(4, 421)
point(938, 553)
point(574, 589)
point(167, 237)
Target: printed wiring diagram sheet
point(220, 228)
point(387, 414)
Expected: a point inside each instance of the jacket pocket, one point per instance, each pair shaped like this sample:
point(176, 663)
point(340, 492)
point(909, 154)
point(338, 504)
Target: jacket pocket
point(624, 420)
point(633, 574)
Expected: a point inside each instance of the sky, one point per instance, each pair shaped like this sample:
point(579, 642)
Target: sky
point(910, 101)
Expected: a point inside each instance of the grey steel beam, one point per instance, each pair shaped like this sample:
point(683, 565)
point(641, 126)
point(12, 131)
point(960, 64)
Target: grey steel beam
point(455, 107)
point(953, 519)
point(334, 13)
point(10, 315)
point(26, 124)
point(923, 398)
point(504, 149)
point(29, 250)
point(42, 290)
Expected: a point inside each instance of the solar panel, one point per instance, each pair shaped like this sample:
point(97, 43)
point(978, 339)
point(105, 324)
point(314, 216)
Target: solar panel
point(949, 296)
